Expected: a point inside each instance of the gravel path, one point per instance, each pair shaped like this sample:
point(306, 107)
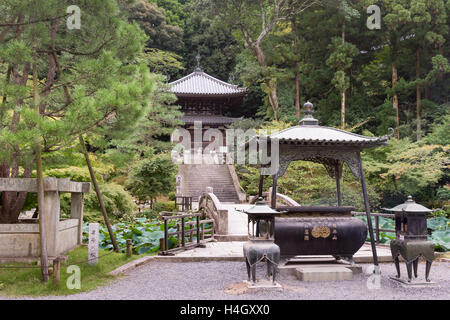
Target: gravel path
point(209, 280)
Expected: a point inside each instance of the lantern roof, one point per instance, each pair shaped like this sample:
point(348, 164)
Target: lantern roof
point(409, 206)
point(261, 209)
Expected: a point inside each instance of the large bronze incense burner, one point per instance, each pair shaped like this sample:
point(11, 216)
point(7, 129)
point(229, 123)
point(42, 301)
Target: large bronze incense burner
point(319, 230)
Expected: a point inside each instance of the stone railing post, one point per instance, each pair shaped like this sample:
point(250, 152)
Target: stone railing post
point(76, 212)
point(52, 213)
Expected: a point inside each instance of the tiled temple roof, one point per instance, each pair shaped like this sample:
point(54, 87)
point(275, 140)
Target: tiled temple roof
point(199, 83)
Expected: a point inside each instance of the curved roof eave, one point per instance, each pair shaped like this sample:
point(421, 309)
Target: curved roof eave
point(199, 83)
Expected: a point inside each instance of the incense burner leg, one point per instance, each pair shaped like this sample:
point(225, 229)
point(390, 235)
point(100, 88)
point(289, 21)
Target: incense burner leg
point(409, 269)
point(254, 273)
point(427, 270)
point(248, 269)
point(349, 258)
point(415, 264)
point(274, 272)
point(397, 266)
point(269, 273)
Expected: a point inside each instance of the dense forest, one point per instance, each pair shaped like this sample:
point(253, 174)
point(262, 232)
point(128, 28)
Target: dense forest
point(106, 84)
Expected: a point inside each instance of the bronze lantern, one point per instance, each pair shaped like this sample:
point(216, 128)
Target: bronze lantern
point(261, 243)
point(411, 237)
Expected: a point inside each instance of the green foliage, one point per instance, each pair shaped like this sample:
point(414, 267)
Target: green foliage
point(152, 177)
point(439, 226)
point(118, 203)
point(440, 232)
point(144, 233)
point(158, 207)
point(406, 168)
point(152, 20)
point(320, 189)
point(74, 174)
point(164, 206)
point(89, 81)
point(440, 134)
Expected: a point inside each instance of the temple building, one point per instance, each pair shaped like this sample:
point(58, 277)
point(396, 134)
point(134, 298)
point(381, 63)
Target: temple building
point(207, 99)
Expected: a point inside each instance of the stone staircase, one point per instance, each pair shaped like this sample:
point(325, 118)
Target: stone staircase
point(197, 177)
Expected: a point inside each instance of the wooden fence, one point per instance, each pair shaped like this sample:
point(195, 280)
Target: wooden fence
point(196, 227)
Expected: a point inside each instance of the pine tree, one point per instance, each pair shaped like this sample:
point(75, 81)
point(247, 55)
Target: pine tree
point(88, 80)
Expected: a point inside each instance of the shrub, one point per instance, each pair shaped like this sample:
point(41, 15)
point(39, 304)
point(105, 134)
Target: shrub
point(152, 177)
point(118, 202)
point(164, 206)
point(157, 208)
point(74, 173)
point(172, 195)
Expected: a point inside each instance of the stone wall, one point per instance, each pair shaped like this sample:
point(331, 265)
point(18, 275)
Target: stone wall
point(20, 242)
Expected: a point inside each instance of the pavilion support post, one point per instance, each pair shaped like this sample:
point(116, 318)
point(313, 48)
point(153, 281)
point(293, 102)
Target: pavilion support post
point(274, 192)
point(368, 215)
point(261, 185)
point(338, 184)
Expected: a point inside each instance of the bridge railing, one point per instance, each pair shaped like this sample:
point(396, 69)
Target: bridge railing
point(282, 200)
point(196, 226)
point(213, 209)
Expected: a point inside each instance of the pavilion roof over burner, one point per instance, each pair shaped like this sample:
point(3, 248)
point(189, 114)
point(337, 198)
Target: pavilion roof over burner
point(308, 132)
point(318, 135)
point(199, 83)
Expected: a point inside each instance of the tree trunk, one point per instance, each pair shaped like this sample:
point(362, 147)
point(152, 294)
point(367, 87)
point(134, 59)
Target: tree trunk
point(12, 202)
point(395, 100)
point(418, 98)
point(99, 194)
point(273, 98)
point(271, 86)
point(40, 179)
point(297, 83)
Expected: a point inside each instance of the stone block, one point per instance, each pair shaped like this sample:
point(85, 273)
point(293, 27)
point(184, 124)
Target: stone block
point(324, 273)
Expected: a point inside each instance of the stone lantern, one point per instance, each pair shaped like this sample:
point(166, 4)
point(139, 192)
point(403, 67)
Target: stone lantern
point(411, 237)
point(261, 245)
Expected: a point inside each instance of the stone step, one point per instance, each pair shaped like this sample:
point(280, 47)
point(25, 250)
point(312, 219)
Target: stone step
point(196, 178)
point(323, 273)
point(230, 237)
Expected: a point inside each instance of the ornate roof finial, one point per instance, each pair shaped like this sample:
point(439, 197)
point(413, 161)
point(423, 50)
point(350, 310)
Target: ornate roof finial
point(308, 119)
point(198, 57)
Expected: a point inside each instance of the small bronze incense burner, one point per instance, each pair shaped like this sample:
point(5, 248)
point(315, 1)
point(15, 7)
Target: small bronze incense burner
point(411, 237)
point(261, 243)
